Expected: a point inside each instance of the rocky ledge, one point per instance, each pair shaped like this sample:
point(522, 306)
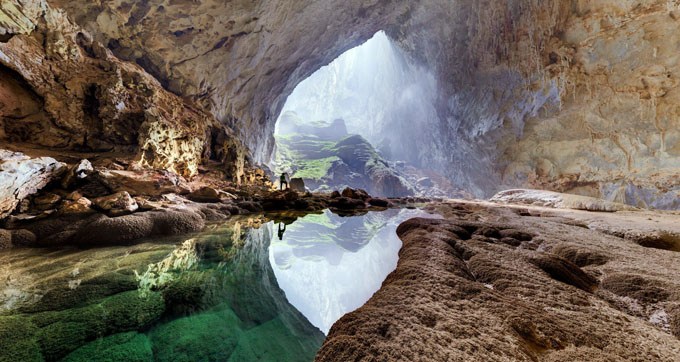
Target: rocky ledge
point(45, 202)
point(523, 283)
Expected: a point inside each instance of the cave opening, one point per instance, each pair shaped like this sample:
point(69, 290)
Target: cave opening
point(360, 122)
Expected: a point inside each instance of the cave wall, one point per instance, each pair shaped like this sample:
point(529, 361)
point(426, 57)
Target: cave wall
point(59, 89)
point(577, 96)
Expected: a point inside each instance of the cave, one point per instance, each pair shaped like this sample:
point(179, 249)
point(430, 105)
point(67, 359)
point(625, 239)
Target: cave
point(336, 129)
point(433, 180)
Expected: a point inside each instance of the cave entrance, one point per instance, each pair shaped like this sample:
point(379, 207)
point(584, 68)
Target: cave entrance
point(359, 121)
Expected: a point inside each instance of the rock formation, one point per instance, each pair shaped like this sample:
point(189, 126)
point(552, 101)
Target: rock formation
point(21, 176)
point(62, 90)
point(488, 284)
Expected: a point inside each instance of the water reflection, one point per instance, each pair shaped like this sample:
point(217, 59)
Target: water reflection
point(330, 265)
point(215, 296)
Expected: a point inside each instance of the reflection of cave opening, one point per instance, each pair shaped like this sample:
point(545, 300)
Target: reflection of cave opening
point(359, 122)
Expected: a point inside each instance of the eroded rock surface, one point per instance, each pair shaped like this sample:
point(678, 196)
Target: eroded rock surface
point(62, 90)
point(487, 284)
point(21, 176)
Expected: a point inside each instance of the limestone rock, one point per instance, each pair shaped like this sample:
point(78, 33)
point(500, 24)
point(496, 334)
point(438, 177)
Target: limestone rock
point(21, 176)
point(149, 183)
point(120, 203)
point(557, 200)
point(205, 194)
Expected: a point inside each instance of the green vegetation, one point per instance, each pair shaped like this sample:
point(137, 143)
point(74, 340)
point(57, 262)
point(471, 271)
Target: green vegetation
point(315, 169)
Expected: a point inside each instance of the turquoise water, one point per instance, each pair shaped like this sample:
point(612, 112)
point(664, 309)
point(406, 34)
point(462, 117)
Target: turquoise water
point(241, 291)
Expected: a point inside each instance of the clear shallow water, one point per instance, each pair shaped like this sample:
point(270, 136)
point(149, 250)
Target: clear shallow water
point(222, 295)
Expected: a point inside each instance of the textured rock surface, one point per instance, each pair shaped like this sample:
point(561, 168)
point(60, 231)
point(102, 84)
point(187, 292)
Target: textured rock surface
point(486, 284)
point(21, 176)
point(60, 89)
point(557, 200)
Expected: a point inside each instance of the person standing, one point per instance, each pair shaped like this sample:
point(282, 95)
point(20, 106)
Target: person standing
point(283, 180)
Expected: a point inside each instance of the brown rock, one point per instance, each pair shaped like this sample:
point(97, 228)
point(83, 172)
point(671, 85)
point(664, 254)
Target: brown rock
point(21, 176)
point(356, 194)
point(149, 183)
point(205, 194)
point(379, 202)
point(118, 204)
point(81, 205)
point(5, 239)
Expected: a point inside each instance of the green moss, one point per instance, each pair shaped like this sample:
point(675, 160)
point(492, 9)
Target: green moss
point(129, 347)
point(18, 341)
point(64, 331)
point(204, 337)
point(273, 341)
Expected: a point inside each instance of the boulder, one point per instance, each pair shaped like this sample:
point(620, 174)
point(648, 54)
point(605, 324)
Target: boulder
point(297, 184)
point(356, 194)
point(379, 202)
point(80, 205)
point(118, 204)
point(149, 183)
point(21, 176)
point(205, 194)
point(77, 172)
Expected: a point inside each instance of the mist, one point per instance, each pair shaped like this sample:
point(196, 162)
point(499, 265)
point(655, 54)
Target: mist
point(379, 93)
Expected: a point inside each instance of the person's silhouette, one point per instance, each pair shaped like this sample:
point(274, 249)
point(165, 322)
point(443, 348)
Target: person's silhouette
point(281, 231)
point(283, 181)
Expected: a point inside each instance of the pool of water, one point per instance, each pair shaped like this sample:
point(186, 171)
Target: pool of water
point(245, 290)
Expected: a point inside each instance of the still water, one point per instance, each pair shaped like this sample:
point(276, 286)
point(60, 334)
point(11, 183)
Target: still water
point(245, 290)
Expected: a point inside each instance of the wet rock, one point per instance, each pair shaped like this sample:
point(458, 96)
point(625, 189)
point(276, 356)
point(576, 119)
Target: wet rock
point(205, 194)
point(5, 239)
point(104, 230)
point(346, 203)
point(356, 194)
point(21, 176)
point(379, 202)
point(118, 204)
point(297, 184)
point(23, 237)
